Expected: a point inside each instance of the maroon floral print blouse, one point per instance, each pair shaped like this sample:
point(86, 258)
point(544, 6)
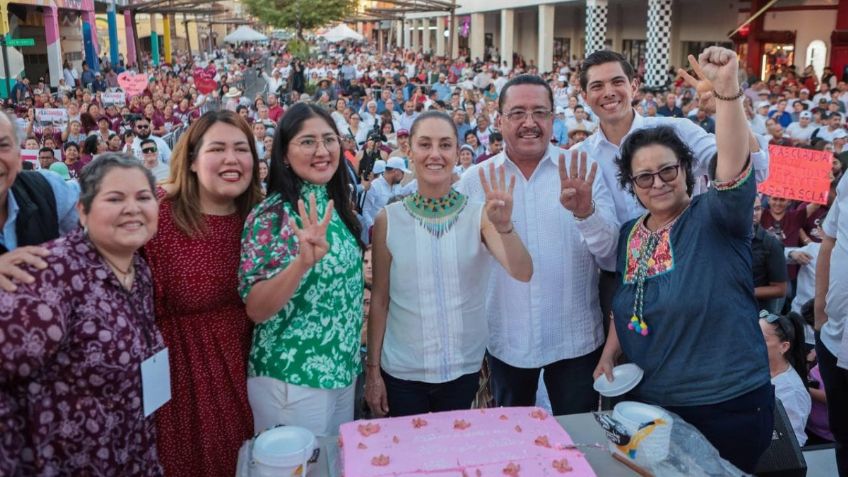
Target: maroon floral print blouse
point(71, 347)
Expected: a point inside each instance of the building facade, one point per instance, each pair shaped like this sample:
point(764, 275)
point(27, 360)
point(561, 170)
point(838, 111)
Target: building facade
point(653, 34)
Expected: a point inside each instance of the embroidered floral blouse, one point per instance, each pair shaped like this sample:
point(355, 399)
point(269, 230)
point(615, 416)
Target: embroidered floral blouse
point(704, 344)
point(314, 340)
point(71, 347)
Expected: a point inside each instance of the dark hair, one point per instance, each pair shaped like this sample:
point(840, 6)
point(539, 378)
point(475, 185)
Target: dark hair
point(471, 132)
point(90, 144)
point(790, 328)
point(45, 149)
point(663, 136)
point(93, 173)
point(495, 136)
point(433, 115)
point(147, 141)
point(604, 56)
point(525, 79)
point(283, 180)
point(69, 145)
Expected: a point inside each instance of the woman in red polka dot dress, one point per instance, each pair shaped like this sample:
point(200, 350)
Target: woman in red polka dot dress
point(194, 259)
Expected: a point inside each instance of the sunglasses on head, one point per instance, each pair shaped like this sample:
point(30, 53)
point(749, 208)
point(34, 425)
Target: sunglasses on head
point(784, 328)
point(149, 150)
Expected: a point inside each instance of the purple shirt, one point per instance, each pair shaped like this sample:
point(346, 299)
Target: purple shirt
point(71, 347)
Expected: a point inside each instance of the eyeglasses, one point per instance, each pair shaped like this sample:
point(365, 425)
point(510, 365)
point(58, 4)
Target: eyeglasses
point(149, 150)
point(666, 174)
point(520, 116)
point(311, 145)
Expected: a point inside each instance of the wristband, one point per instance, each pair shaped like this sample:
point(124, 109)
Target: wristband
point(511, 229)
point(729, 98)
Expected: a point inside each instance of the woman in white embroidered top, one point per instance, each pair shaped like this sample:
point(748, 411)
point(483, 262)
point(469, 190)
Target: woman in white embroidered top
point(427, 329)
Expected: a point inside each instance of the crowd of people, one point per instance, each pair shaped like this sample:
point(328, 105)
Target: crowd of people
point(384, 234)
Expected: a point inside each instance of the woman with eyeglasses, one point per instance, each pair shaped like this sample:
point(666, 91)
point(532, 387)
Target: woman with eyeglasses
point(685, 309)
point(357, 130)
point(301, 279)
point(787, 357)
point(213, 185)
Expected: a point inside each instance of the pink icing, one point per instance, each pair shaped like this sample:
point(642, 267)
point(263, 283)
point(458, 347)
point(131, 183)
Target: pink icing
point(487, 446)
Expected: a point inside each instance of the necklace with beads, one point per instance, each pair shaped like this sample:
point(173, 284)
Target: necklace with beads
point(437, 216)
point(646, 252)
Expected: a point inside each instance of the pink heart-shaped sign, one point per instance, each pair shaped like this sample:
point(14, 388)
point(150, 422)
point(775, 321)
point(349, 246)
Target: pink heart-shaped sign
point(204, 81)
point(205, 85)
point(132, 84)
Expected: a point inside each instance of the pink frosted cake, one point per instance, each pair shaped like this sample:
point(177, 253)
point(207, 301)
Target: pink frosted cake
point(512, 442)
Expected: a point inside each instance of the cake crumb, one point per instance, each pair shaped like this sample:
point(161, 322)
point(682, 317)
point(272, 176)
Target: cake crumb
point(503, 417)
point(562, 466)
point(542, 441)
point(418, 423)
point(361, 446)
point(517, 428)
point(380, 460)
point(368, 429)
point(539, 414)
point(461, 424)
point(512, 469)
point(396, 440)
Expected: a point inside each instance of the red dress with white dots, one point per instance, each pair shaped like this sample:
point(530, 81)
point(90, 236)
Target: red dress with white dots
point(208, 335)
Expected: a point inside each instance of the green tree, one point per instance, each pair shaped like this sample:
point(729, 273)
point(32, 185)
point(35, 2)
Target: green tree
point(301, 15)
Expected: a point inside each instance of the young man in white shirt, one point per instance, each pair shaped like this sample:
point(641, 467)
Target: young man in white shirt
point(834, 123)
point(831, 312)
point(802, 131)
point(608, 86)
point(553, 322)
point(381, 189)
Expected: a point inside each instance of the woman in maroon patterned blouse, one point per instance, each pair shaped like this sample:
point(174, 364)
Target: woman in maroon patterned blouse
point(72, 341)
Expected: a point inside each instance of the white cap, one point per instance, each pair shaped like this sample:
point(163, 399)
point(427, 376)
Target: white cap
point(763, 104)
point(562, 78)
point(840, 134)
point(397, 163)
point(379, 167)
point(806, 114)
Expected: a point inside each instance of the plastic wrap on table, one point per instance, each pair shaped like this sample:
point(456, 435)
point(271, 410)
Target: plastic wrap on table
point(663, 444)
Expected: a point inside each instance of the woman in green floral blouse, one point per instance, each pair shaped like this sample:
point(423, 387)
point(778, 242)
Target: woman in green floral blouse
point(301, 279)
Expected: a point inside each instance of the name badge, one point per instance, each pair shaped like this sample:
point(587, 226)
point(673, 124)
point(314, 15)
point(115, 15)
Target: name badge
point(155, 382)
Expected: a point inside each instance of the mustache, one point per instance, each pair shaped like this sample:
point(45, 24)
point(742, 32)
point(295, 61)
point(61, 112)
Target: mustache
point(531, 130)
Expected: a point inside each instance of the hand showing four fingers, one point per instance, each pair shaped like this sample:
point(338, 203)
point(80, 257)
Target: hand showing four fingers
point(575, 185)
point(312, 235)
point(498, 197)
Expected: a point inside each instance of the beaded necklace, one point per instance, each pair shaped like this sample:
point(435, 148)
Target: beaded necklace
point(645, 260)
point(437, 216)
point(646, 252)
